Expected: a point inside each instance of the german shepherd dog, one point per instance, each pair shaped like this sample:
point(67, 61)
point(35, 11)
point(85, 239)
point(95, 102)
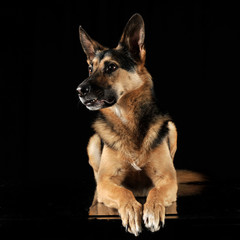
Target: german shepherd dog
point(133, 149)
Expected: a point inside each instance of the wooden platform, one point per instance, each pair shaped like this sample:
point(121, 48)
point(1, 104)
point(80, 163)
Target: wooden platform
point(61, 211)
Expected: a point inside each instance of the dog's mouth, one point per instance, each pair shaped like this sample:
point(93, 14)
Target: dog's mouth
point(97, 101)
point(96, 104)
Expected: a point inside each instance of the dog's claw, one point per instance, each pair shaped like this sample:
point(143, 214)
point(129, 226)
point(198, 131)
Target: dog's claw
point(163, 223)
point(126, 228)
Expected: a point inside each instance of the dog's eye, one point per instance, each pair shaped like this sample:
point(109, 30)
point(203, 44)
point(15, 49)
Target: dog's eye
point(90, 69)
point(111, 68)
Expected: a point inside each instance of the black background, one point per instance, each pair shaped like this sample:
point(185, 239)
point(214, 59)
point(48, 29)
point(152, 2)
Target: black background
point(192, 54)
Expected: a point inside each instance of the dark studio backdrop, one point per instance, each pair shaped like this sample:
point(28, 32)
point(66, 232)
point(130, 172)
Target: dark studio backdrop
point(192, 54)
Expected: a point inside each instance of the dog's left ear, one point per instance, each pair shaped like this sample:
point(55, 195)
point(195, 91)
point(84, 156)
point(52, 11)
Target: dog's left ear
point(90, 46)
point(133, 38)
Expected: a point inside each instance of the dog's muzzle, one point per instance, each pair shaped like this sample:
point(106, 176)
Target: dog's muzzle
point(92, 100)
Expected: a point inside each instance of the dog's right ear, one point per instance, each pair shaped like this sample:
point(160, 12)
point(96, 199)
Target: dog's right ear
point(133, 38)
point(90, 46)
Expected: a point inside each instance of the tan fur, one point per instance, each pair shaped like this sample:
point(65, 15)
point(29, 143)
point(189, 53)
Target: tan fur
point(94, 153)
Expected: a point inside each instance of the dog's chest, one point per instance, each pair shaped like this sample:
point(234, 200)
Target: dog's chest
point(135, 158)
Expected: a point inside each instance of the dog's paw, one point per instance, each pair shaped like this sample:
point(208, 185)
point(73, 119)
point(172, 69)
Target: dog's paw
point(131, 215)
point(153, 215)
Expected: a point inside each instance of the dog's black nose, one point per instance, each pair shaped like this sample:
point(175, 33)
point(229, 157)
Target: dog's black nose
point(83, 90)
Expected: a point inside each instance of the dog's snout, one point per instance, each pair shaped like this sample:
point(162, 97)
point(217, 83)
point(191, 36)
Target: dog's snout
point(83, 90)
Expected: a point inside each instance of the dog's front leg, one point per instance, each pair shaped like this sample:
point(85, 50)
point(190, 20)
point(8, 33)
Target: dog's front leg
point(154, 208)
point(164, 192)
point(122, 199)
point(112, 194)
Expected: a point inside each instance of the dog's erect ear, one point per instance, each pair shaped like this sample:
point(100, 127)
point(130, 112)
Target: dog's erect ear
point(133, 37)
point(90, 46)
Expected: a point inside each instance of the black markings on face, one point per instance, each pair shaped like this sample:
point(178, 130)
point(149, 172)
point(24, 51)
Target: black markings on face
point(120, 56)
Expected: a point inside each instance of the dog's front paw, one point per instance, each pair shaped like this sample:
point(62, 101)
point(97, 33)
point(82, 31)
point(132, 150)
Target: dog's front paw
point(131, 215)
point(153, 215)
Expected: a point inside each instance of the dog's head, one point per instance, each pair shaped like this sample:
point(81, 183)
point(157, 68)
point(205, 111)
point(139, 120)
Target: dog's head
point(113, 72)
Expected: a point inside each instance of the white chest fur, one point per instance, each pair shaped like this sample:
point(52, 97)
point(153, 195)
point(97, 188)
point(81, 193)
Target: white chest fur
point(135, 166)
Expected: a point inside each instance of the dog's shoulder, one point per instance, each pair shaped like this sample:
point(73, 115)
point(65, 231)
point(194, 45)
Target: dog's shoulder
point(158, 131)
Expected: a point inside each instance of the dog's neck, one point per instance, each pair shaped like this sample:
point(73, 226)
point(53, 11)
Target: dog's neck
point(125, 108)
point(128, 123)
point(119, 113)
point(133, 109)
